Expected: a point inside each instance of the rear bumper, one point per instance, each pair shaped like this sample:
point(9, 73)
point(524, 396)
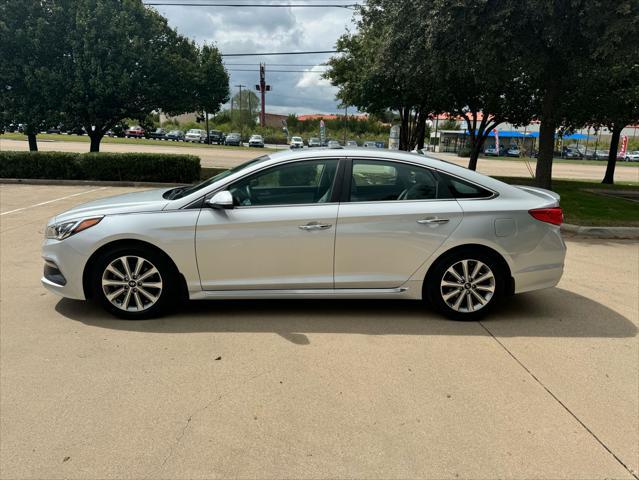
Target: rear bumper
point(545, 276)
point(543, 266)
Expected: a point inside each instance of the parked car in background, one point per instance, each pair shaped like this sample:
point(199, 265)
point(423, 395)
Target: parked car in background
point(600, 154)
point(76, 130)
point(404, 233)
point(632, 156)
point(175, 136)
point(54, 130)
point(334, 144)
point(513, 151)
point(158, 134)
point(195, 135)
point(234, 139)
point(217, 136)
point(256, 141)
point(297, 142)
point(352, 143)
point(134, 132)
point(314, 142)
point(492, 151)
point(574, 153)
point(369, 144)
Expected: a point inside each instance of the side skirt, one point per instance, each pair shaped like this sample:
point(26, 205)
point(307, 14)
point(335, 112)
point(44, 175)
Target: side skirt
point(361, 293)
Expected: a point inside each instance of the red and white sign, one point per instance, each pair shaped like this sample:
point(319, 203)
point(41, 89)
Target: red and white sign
point(624, 146)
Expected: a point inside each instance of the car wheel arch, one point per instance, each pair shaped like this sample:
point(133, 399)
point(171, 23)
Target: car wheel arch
point(88, 267)
point(474, 247)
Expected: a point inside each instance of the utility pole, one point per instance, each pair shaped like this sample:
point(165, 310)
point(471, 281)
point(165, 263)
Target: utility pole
point(208, 134)
point(262, 87)
point(240, 86)
point(345, 123)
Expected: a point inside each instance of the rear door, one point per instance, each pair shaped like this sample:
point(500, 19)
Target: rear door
point(394, 215)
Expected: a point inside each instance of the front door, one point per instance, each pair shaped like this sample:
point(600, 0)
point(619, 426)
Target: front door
point(280, 235)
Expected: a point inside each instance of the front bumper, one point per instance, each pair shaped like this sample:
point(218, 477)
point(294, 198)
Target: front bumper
point(63, 269)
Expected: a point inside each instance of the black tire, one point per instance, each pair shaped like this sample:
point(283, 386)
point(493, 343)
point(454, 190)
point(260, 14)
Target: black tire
point(435, 290)
point(168, 277)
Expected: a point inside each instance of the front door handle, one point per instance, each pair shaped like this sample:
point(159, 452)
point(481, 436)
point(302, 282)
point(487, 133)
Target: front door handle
point(315, 226)
point(435, 221)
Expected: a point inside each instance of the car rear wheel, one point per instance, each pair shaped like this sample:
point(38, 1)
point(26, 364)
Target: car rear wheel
point(465, 285)
point(132, 283)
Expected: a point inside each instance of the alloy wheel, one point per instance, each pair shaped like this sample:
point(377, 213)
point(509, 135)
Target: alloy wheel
point(132, 283)
point(468, 286)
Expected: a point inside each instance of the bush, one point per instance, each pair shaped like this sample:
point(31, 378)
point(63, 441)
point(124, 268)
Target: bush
point(464, 152)
point(131, 167)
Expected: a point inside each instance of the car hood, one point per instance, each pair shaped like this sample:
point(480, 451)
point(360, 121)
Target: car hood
point(146, 201)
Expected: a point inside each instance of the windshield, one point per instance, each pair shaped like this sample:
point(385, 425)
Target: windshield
point(297, 139)
point(181, 192)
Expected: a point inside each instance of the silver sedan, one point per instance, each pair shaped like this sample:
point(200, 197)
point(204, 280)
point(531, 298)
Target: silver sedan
point(312, 224)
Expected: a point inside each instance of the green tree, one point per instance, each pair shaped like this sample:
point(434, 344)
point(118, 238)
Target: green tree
point(31, 80)
point(245, 107)
point(609, 91)
point(560, 41)
point(384, 67)
point(124, 62)
point(475, 74)
point(211, 81)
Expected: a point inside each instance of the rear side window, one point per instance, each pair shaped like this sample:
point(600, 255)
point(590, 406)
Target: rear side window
point(385, 180)
point(380, 180)
point(458, 188)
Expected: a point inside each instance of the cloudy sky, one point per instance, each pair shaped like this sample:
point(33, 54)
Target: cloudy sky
point(252, 29)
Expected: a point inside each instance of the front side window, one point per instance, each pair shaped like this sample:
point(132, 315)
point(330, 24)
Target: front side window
point(289, 184)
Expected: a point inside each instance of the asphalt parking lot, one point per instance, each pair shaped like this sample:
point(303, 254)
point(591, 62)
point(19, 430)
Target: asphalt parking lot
point(547, 387)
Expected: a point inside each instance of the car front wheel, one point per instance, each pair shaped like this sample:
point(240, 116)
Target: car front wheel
point(465, 285)
point(132, 283)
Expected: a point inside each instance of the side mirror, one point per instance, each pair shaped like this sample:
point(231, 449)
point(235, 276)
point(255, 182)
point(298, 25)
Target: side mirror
point(221, 200)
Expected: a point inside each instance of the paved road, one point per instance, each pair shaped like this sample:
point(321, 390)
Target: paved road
point(224, 157)
point(545, 388)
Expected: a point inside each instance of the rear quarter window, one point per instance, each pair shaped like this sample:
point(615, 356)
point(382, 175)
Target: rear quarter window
point(461, 189)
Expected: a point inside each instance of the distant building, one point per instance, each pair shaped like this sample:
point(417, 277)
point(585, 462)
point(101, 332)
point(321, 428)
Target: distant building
point(274, 120)
point(183, 118)
point(329, 116)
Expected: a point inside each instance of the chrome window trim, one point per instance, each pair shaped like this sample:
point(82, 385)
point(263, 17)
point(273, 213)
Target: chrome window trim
point(427, 167)
point(495, 194)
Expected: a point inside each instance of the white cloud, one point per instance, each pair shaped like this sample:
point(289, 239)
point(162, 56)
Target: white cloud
point(248, 30)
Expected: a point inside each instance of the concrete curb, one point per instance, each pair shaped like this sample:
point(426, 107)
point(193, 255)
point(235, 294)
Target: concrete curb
point(625, 233)
point(97, 183)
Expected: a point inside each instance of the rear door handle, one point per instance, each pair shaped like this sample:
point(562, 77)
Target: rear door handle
point(315, 226)
point(435, 221)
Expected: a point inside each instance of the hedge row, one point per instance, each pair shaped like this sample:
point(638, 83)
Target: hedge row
point(131, 167)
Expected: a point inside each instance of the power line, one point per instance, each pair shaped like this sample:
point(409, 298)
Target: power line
point(253, 5)
point(273, 71)
point(276, 53)
point(280, 64)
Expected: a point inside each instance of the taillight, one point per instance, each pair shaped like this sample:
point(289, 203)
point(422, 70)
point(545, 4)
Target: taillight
point(549, 215)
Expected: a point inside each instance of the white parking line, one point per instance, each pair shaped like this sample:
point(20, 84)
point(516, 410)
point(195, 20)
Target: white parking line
point(52, 201)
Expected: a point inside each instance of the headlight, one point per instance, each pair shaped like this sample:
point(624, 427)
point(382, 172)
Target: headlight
point(60, 231)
